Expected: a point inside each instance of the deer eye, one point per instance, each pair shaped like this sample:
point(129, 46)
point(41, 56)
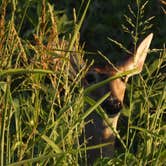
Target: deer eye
point(91, 78)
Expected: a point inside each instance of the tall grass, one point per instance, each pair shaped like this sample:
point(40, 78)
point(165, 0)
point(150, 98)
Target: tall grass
point(42, 99)
point(40, 92)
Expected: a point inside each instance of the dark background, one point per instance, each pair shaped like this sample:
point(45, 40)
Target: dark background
point(104, 19)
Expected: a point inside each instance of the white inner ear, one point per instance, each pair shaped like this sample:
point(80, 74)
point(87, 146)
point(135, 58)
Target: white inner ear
point(141, 52)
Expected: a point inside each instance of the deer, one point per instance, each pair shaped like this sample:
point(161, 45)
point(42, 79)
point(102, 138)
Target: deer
point(97, 130)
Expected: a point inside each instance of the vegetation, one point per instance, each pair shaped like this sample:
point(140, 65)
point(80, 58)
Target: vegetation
point(41, 95)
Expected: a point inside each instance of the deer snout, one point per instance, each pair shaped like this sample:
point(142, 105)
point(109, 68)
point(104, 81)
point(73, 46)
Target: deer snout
point(112, 105)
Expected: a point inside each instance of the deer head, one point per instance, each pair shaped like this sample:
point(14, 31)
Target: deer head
point(99, 131)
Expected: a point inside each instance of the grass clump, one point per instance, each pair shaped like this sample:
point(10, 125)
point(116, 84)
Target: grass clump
point(41, 95)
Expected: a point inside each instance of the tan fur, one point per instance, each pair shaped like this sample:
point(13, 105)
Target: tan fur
point(99, 131)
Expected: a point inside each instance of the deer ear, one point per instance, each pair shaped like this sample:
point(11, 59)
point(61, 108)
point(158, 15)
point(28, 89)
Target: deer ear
point(141, 52)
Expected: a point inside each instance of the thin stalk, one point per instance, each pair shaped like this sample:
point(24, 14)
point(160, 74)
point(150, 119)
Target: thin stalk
point(3, 127)
point(24, 71)
point(77, 29)
point(128, 124)
point(137, 25)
